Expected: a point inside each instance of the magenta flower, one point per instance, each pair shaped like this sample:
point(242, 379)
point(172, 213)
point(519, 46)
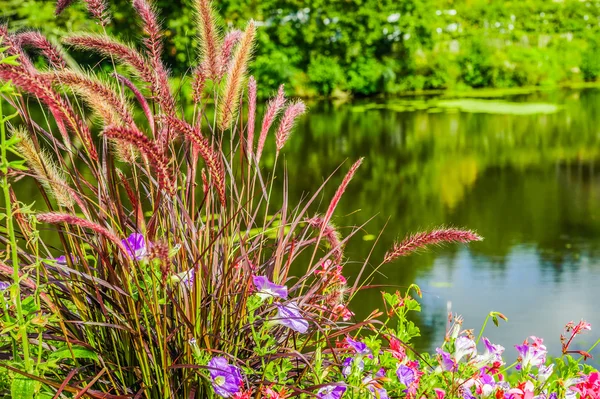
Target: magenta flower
point(331, 392)
point(485, 384)
point(289, 316)
point(267, 289)
point(136, 246)
point(226, 379)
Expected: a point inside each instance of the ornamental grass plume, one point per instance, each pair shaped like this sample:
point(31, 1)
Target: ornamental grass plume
point(105, 100)
point(290, 116)
point(273, 108)
point(44, 169)
point(39, 42)
point(235, 76)
point(149, 149)
point(251, 116)
point(422, 240)
point(212, 62)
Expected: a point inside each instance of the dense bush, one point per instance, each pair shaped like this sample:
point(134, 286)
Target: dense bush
point(377, 46)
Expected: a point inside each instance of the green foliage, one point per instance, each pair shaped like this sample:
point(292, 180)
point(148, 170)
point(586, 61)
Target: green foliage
point(590, 63)
point(325, 74)
point(368, 47)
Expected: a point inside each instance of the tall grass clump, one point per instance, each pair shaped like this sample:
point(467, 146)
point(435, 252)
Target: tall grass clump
point(159, 264)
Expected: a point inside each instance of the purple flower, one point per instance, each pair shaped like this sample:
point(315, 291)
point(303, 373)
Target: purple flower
point(494, 350)
point(289, 316)
point(136, 246)
point(405, 374)
point(61, 260)
point(331, 392)
point(267, 289)
point(533, 354)
point(347, 365)
point(4, 285)
point(464, 346)
point(447, 363)
point(492, 354)
point(226, 379)
point(544, 372)
point(361, 348)
point(467, 394)
point(375, 387)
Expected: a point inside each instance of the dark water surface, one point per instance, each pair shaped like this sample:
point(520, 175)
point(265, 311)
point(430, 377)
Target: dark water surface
point(530, 184)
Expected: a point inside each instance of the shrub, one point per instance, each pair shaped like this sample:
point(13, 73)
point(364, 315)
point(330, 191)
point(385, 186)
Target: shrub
point(590, 62)
point(325, 74)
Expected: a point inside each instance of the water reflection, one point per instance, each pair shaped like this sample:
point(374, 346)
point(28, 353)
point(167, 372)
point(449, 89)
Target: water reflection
point(528, 184)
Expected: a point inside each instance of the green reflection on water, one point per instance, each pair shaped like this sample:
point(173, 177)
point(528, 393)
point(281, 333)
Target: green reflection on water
point(514, 178)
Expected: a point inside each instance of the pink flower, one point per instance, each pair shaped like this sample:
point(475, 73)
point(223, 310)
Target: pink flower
point(440, 393)
point(341, 310)
point(397, 349)
point(590, 387)
point(523, 391)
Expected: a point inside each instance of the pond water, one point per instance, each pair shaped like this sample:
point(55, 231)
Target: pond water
point(527, 182)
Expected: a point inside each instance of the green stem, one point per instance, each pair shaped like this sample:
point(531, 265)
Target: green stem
point(482, 329)
point(16, 290)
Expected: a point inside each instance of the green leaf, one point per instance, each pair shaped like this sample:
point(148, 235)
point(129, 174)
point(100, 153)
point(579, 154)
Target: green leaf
point(13, 139)
point(10, 60)
point(369, 237)
point(18, 165)
point(22, 388)
point(74, 353)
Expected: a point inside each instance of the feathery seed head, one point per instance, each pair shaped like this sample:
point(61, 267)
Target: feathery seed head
point(422, 240)
point(273, 108)
point(41, 43)
point(251, 116)
point(44, 169)
point(341, 189)
point(235, 76)
point(209, 38)
point(290, 116)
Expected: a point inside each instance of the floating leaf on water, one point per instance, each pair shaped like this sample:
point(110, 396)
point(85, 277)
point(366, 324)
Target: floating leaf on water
point(441, 284)
point(498, 107)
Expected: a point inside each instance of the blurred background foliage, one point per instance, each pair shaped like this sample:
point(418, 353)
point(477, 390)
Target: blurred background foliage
point(369, 47)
